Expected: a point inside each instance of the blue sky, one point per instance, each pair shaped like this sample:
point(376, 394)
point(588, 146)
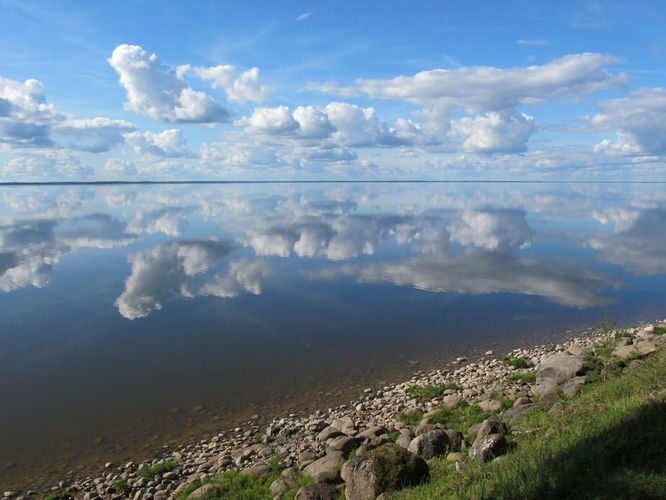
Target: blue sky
point(332, 90)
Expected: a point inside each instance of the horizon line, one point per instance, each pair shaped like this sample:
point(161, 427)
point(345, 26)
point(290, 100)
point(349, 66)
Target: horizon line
point(326, 181)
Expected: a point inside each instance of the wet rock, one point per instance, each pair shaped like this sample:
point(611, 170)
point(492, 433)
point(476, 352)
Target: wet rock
point(386, 468)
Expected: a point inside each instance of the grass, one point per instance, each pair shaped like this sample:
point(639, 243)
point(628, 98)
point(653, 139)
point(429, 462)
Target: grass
point(527, 378)
point(516, 363)
point(431, 391)
point(234, 485)
point(148, 472)
point(622, 334)
point(461, 418)
point(606, 443)
point(660, 330)
point(121, 486)
point(410, 418)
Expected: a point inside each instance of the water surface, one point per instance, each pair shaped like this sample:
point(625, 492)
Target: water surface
point(133, 316)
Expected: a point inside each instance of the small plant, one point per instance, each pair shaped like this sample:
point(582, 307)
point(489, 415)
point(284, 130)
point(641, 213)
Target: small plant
point(516, 363)
point(393, 436)
point(121, 486)
point(622, 334)
point(659, 330)
point(149, 472)
point(606, 324)
point(410, 418)
point(431, 391)
point(526, 378)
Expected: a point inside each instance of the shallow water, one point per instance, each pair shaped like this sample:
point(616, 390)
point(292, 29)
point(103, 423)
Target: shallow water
point(133, 316)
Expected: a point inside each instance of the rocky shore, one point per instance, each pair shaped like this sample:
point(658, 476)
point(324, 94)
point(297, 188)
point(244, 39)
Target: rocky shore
point(384, 440)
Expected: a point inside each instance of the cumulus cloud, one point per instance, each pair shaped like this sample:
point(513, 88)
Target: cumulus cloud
point(94, 135)
point(274, 121)
point(486, 88)
point(157, 91)
point(243, 87)
point(25, 116)
point(45, 165)
point(120, 167)
point(169, 143)
point(495, 132)
point(639, 119)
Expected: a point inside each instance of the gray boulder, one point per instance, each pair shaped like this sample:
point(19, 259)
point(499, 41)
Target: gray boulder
point(327, 468)
point(205, 491)
point(491, 425)
point(572, 387)
point(317, 491)
point(485, 448)
point(387, 468)
point(559, 367)
point(430, 444)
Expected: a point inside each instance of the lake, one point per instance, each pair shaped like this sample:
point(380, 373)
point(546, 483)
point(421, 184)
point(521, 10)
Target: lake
point(135, 316)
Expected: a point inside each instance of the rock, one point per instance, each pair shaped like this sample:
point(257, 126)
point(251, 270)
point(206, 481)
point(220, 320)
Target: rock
point(328, 433)
point(423, 428)
point(491, 425)
point(646, 347)
point(343, 423)
point(205, 491)
point(344, 444)
point(404, 438)
point(317, 491)
point(455, 456)
point(452, 401)
point(490, 405)
point(456, 439)
point(383, 469)
point(307, 456)
point(512, 415)
point(559, 367)
point(431, 444)
point(646, 331)
point(327, 468)
point(578, 349)
point(572, 387)
point(257, 470)
point(623, 351)
point(485, 448)
point(524, 400)
point(546, 386)
point(372, 432)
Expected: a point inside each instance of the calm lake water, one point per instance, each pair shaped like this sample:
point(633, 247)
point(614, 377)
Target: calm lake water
point(133, 316)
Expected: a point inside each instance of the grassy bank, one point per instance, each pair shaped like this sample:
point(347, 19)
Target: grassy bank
point(608, 442)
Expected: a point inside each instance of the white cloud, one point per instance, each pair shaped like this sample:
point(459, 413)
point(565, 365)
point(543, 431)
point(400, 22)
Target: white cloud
point(640, 121)
point(312, 123)
point(95, 135)
point(45, 165)
point(242, 88)
point(486, 88)
point(159, 92)
point(274, 121)
point(304, 16)
point(120, 167)
point(494, 132)
point(169, 143)
point(25, 116)
point(537, 42)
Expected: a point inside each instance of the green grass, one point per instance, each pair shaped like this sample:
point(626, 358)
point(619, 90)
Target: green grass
point(120, 485)
point(660, 330)
point(431, 391)
point(149, 472)
point(528, 377)
point(516, 362)
point(234, 485)
point(410, 418)
point(622, 334)
point(606, 443)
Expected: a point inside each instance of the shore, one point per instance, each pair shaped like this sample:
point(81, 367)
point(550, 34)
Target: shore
point(410, 414)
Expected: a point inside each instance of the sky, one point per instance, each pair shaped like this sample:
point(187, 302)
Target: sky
point(319, 90)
